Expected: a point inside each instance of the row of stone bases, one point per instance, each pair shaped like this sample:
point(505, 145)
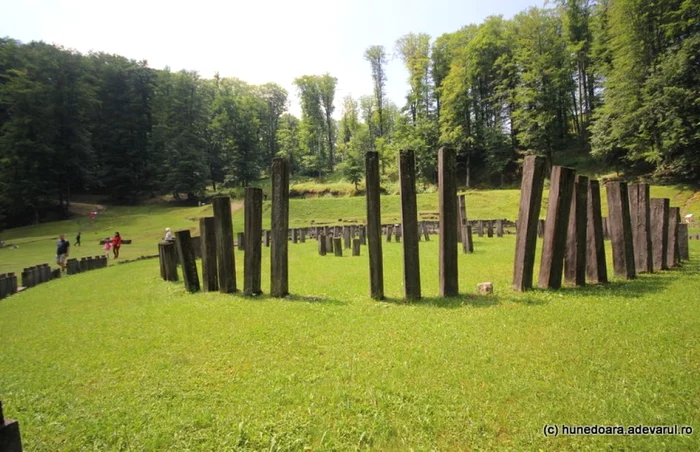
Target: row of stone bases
point(646, 234)
point(572, 234)
point(39, 274)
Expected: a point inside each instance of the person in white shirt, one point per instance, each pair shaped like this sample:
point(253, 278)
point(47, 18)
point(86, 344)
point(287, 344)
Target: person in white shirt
point(168, 235)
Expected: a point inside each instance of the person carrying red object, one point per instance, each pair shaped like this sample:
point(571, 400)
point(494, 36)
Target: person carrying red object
point(116, 243)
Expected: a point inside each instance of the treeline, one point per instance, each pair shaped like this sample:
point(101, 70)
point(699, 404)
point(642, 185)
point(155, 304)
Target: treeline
point(612, 83)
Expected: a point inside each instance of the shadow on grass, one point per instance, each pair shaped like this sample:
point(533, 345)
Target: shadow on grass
point(478, 301)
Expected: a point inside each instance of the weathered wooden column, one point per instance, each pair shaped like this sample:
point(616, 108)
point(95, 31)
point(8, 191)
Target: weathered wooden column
point(409, 225)
point(489, 228)
point(683, 241)
point(659, 232)
point(226, 264)
point(168, 260)
point(347, 239)
point(620, 229)
point(575, 256)
point(240, 241)
point(640, 218)
point(338, 246)
point(480, 228)
point(389, 232)
point(468, 242)
point(447, 199)
point(321, 239)
point(540, 228)
point(499, 228)
point(355, 247)
point(266, 238)
point(556, 225)
point(253, 241)
point(674, 219)
point(10, 439)
point(279, 270)
point(302, 237)
point(596, 266)
point(363, 235)
point(397, 232)
point(207, 243)
point(329, 243)
point(374, 226)
point(528, 219)
point(189, 264)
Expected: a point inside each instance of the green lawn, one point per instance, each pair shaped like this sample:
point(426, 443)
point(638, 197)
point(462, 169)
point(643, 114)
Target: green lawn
point(118, 359)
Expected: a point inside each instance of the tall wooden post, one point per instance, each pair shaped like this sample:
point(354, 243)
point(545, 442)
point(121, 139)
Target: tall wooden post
point(447, 198)
point(279, 270)
point(409, 226)
point(659, 232)
point(575, 256)
point(683, 241)
point(674, 219)
point(224, 244)
point(620, 229)
point(374, 226)
point(253, 241)
point(207, 242)
point(528, 219)
point(555, 227)
point(596, 266)
point(186, 255)
point(640, 218)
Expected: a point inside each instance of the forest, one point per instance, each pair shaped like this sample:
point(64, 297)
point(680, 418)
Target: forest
point(612, 84)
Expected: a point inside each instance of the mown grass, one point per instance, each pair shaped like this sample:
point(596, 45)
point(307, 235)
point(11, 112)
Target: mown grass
point(117, 359)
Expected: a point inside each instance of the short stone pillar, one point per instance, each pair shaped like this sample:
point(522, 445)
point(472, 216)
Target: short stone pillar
point(485, 288)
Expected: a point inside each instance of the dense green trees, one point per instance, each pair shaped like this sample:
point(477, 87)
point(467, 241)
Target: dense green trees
point(613, 84)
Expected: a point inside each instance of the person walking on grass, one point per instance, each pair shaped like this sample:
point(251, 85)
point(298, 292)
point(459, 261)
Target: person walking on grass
point(116, 244)
point(107, 247)
point(77, 239)
point(62, 251)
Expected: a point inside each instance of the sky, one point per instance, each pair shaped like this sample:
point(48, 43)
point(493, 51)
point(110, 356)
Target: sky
point(258, 41)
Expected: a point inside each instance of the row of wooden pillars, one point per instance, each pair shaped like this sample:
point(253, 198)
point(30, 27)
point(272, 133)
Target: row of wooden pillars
point(217, 244)
point(645, 233)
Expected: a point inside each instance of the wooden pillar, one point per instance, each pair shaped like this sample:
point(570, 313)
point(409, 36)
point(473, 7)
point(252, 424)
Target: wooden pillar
point(528, 220)
point(397, 232)
point(355, 247)
point(207, 244)
point(329, 243)
point(321, 245)
point(640, 218)
point(389, 232)
point(253, 241)
point(674, 219)
point(555, 228)
point(226, 264)
point(468, 242)
point(489, 228)
point(266, 238)
point(575, 256)
point(540, 228)
point(279, 271)
point(620, 229)
point(363, 235)
point(606, 231)
point(409, 219)
point(480, 228)
point(447, 198)
point(499, 228)
point(189, 264)
point(240, 241)
point(338, 246)
point(683, 241)
point(168, 255)
point(347, 239)
point(374, 226)
point(596, 266)
point(659, 232)
point(426, 233)
point(302, 237)
point(10, 439)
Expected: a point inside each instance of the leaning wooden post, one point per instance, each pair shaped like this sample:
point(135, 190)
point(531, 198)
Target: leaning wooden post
point(620, 229)
point(279, 269)
point(374, 226)
point(186, 255)
point(674, 219)
point(409, 226)
point(555, 228)
point(447, 198)
point(10, 439)
point(640, 218)
point(575, 256)
point(659, 232)
point(226, 264)
point(528, 219)
point(596, 266)
point(683, 241)
point(207, 243)
point(168, 255)
point(253, 241)
point(461, 229)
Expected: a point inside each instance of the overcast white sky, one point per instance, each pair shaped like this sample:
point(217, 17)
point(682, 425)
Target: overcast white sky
point(257, 41)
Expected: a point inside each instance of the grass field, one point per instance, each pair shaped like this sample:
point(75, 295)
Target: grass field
point(116, 359)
